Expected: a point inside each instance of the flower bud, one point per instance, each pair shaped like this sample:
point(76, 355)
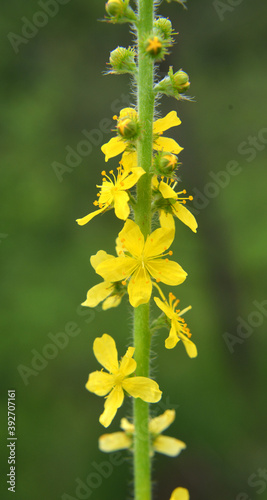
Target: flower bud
point(154, 46)
point(122, 60)
point(114, 7)
point(181, 81)
point(165, 164)
point(163, 27)
point(128, 127)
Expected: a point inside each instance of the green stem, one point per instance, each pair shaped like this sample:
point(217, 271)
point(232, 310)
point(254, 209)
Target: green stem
point(142, 335)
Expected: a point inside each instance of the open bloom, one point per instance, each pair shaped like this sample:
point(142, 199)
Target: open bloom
point(118, 379)
point(180, 494)
point(119, 144)
point(142, 259)
point(110, 293)
point(175, 202)
point(113, 192)
point(162, 444)
point(179, 330)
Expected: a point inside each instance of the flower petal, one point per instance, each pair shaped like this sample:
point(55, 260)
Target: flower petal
point(117, 269)
point(100, 383)
point(164, 307)
point(185, 216)
point(189, 346)
point(166, 190)
point(140, 287)
point(158, 242)
point(127, 426)
point(162, 422)
point(180, 494)
point(168, 445)
point(115, 441)
point(173, 338)
point(106, 352)
point(98, 293)
point(129, 180)
point(133, 238)
point(166, 220)
point(168, 145)
point(169, 121)
point(129, 160)
point(113, 148)
point(142, 387)
point(130, 112)
point(112, 301)
point(90, 216)
point(128, 364)
point(121, 206)
point(99, 257)
point(112, 403)
point(167, 271)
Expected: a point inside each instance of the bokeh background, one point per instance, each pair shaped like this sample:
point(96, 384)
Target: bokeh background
point(53, 89)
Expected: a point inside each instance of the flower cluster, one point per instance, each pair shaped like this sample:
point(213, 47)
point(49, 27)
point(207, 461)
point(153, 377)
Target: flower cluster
point(143, 263)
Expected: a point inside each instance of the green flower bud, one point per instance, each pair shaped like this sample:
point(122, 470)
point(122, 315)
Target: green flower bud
point(115, 7)
point(128, 128)
point(181, 81)
point(122, 60)
point(163, 27)
point(165, 164)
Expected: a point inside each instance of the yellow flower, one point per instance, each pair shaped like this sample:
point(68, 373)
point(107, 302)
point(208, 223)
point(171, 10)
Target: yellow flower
point(118, 145)
point(180, 494)
point(179, 330)
point(110, 293)
point(118, 379)
point(113, 192)
point(141, 260)
point(162, 444)
point(175, 205)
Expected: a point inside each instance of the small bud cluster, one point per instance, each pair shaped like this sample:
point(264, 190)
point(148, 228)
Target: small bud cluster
point(119, 11)
point(122, 61)
point(174, 85)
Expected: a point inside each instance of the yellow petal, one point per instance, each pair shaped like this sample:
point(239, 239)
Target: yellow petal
point(115, 441)
point(164, 307)
point(90, 216)
point(158, 242)
point(155, 182)
point(189, 346)
point(128, 364)
point(168, 446)
point(170, 120)
point(129, 180)
point(168, 272)
point(99, 257)
point(133, 238)
point(127, 426)
point(98, 293)
point(185, 215)
point(100, 383)
point(112, 403)
point(130, 112)
point(117, 269)
point(121, 206)
point(140, 287)
point(143, 388)
point(113, 148)
point(180, 494)
point(162, 422)
point(166, 190)
point(106, 352)
point(166, 220)
point(168, 145)
point(173, 338)
point(129, 160)
point(112, 301)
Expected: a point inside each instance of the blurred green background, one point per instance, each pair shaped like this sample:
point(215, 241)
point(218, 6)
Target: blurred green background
point(52, 89)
